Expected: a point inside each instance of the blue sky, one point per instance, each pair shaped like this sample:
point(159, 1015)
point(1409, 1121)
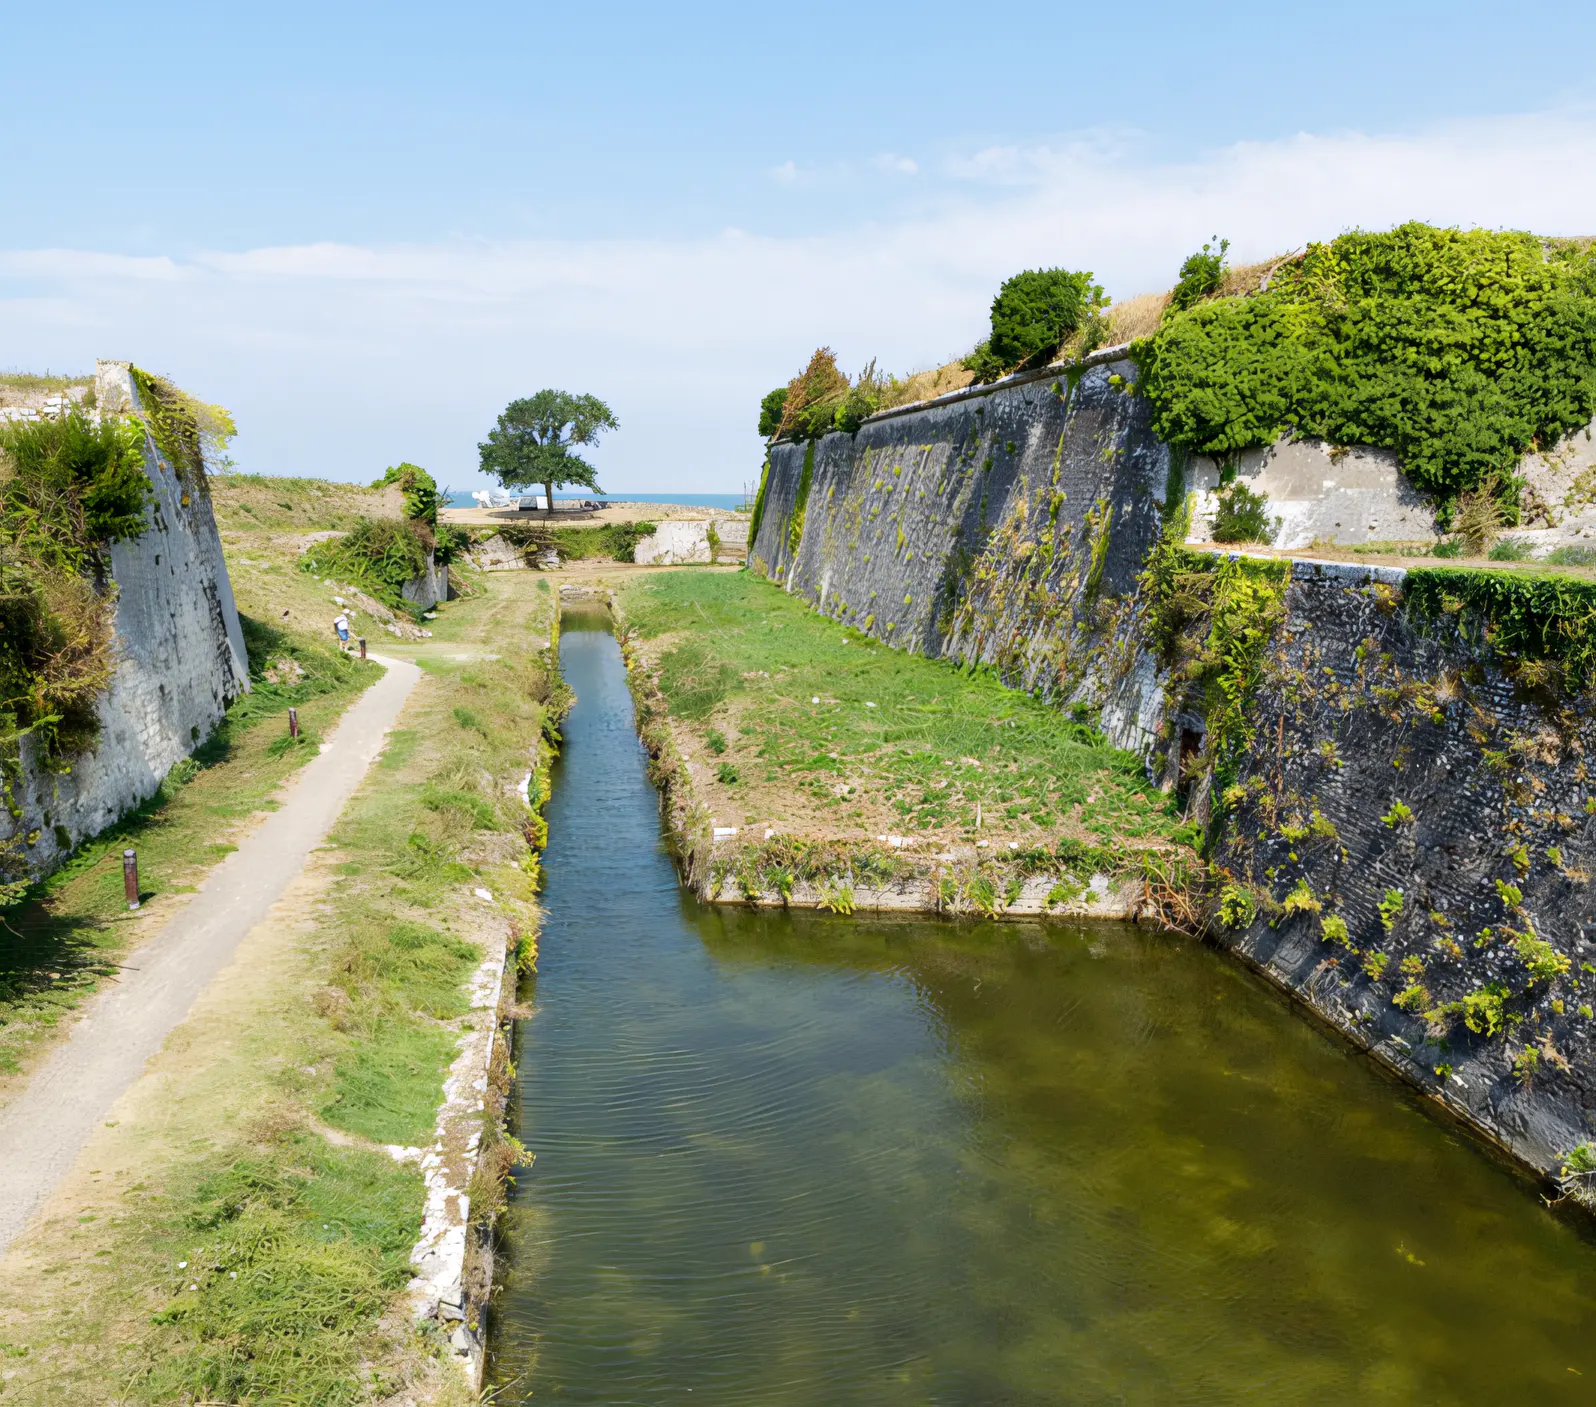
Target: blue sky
point(364, 228)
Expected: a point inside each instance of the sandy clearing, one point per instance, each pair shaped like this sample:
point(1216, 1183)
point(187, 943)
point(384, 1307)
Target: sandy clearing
point(45, 1126)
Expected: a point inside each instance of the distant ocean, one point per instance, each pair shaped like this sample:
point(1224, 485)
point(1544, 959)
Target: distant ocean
point(727, 501)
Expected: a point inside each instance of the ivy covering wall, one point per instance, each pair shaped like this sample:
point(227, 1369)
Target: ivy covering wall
point(1457, 349)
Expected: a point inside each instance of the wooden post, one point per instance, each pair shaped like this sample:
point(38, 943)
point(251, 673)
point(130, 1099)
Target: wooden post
point(362, 647)
point(293, 722)
point(130, 877)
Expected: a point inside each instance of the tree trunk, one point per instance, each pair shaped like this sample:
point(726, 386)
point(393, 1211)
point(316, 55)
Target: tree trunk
point(548, 499)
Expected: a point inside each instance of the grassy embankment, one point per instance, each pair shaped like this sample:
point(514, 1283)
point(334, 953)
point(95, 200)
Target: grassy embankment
point(793, 723)
point(243, 1238)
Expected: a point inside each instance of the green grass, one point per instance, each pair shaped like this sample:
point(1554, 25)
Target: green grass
point(289, 1252)
point(325, 1232)
point(922, 741)
point(387, 1086)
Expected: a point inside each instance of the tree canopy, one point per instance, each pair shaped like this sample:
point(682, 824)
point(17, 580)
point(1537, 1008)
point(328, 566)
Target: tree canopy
point(532, 443)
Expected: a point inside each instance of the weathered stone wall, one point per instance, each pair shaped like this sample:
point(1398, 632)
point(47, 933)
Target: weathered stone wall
point(425, 591)
point(1009, 529)
point(1365, 705)
point(1320, 493)
point(996, 529)
point(182, 661)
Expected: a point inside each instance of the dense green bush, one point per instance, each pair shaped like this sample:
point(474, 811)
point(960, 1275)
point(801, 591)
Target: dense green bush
point(1201, 276)
point(379, 555)
point(1243, 516)
point(1457, 349)
point(69, 488)
point(770, 411)
point(422, 499)
point(1031, 316)
point(450, 543)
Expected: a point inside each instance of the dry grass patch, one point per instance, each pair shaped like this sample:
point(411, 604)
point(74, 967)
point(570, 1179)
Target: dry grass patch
point(251, 503)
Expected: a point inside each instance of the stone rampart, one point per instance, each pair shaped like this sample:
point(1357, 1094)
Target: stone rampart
point(181, 662)
point(994, 529)
point(1412, 824)
point(1401, 784)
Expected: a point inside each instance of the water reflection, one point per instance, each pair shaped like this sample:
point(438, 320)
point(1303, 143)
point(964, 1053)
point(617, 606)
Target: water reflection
point(800, 1159)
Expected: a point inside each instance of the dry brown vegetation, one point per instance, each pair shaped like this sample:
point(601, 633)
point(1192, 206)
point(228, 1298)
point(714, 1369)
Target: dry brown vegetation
point(1136, 317)
point(927, 385)
point(1251, 278)
point(24, 388)
point(249, 502)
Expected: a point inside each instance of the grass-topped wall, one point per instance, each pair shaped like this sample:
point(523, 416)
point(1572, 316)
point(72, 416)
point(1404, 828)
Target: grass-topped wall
point(1541, 628)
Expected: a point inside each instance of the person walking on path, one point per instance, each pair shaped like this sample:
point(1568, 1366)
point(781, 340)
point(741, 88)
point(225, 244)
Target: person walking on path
point(341, 625)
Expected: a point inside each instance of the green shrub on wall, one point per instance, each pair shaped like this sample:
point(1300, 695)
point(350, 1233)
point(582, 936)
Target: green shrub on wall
point(770, 411)
point(1542, 628)
point(1210, 619)
point(759, 504)
point(188, 432)
point(420, 489)
point(809, 409)
point(1032, 315)
point(1243, 516)
point(1456, 349)
point(68, 489)
point(795, 526)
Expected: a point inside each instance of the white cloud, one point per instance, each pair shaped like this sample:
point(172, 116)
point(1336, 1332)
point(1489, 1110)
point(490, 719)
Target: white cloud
point(786, 173)
point(339, 359)
point(891, 161)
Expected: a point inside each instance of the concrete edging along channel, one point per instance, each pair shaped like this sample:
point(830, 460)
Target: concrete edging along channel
point(443, 1289)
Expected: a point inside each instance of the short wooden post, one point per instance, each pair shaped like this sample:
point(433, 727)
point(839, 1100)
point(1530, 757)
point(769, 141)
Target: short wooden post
point(293, 722)
point(130, 877)
point(362, 647)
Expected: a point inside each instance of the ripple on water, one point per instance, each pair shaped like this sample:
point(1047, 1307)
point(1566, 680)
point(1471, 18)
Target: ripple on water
point(801, 1159)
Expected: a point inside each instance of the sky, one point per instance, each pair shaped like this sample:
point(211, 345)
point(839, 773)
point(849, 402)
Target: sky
point(365, 228)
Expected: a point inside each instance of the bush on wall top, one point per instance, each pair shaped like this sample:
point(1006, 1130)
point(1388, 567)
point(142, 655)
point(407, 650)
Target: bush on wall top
point(1032, 315)
point(1457, 349)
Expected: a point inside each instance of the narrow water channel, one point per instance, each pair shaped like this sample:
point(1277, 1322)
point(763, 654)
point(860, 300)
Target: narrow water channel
point(792, 1158)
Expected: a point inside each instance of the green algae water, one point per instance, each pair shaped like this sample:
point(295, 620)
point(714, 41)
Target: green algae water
point(794, 1158)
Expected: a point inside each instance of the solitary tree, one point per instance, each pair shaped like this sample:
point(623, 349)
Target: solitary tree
point(532, 442)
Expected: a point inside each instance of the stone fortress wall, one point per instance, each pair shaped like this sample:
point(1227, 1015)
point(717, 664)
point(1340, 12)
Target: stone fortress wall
point(1009, 527)
point(182, 661)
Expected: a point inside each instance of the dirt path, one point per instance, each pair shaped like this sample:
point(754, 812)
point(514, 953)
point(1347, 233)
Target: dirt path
point(45, 1126)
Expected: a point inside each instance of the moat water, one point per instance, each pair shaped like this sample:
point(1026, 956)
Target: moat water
point(795, 1158)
